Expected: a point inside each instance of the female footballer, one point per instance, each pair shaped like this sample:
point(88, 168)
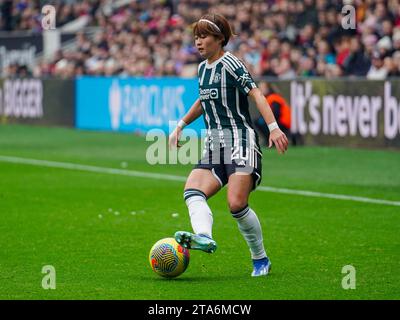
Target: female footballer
point(232, 154)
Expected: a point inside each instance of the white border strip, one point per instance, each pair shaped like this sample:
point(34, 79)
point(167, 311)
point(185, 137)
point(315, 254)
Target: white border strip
point(161, 176)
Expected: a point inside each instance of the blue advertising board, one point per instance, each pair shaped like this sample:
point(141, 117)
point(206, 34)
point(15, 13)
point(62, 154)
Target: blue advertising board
point(134, 104)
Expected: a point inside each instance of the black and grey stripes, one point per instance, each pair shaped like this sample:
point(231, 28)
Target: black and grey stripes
point(241, 213)
point(188, 193)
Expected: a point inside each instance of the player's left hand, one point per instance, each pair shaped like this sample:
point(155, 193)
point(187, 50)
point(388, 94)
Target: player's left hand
point(280, 140)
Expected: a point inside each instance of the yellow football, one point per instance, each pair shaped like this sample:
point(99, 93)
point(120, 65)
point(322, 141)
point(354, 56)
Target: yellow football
point(168, 258)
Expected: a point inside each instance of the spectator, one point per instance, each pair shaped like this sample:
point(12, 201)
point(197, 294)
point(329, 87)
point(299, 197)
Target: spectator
point(342, 48)
point(378, 69)
point(307, 67)
point(396, 61)
point(396, 41)
point(384, 46)
point(357, 63)
point(324, 52)
point(284, 70)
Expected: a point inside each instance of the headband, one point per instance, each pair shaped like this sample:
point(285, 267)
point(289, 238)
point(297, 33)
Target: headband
point(212, 23)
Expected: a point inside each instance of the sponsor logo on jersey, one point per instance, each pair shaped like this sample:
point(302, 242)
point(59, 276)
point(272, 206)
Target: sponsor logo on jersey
point(207, 94)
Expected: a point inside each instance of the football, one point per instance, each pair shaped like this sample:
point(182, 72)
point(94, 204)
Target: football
point(168, 258)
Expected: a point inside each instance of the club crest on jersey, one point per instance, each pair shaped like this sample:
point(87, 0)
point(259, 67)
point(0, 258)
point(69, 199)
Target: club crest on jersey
point(217, 78)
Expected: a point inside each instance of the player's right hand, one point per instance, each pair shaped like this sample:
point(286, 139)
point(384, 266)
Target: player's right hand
point(174, 138)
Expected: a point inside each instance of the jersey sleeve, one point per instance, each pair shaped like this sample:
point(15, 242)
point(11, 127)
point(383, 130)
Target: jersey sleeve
point(242, 78)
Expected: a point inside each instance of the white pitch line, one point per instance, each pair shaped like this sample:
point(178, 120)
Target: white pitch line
point(83, 167)
point(162, 176)
point(328, 195)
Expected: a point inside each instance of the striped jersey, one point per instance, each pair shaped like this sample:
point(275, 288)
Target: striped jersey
point(223, 89)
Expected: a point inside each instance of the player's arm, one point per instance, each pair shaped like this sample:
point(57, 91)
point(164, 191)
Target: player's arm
point(194, 112)
point(245, 83)
point(276, 136)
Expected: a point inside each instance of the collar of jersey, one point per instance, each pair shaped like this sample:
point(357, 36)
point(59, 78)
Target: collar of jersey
point(212, 65)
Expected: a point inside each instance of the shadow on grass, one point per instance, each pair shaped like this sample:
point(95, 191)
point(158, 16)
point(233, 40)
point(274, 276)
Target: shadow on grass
point(200, 278)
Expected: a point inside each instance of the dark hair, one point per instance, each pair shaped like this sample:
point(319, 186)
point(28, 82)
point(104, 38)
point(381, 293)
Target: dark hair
point(204, 28)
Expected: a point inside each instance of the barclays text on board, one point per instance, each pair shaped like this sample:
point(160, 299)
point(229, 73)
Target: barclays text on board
point(147, 105)
point(133, 104)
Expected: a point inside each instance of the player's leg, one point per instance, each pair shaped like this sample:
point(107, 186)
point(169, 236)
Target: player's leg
point(239, 187)
point(203, 180)
point(201, 185)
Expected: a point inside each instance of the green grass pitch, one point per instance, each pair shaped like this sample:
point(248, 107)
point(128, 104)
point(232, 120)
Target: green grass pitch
point(61, 217)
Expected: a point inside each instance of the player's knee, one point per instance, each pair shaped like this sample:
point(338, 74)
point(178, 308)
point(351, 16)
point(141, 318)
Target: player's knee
point(236, 204)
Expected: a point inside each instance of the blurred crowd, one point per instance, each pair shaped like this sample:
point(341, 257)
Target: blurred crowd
point(275, 38)
point(20, 15)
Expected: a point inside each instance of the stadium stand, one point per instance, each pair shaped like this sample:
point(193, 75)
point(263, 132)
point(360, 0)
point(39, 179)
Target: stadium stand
point(276, 38)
